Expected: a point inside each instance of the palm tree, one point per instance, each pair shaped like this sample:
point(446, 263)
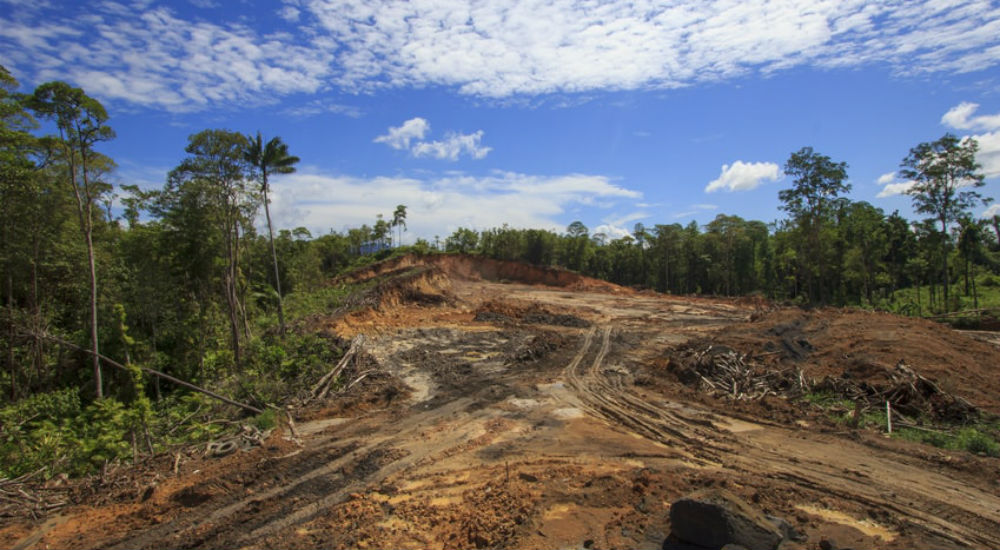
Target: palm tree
point(271, 158)
point(399, 220)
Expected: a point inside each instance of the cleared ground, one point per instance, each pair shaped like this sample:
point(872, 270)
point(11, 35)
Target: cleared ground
point(498, 410)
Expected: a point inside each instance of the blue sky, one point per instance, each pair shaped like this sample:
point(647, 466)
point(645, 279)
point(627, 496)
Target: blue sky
point(534, 113)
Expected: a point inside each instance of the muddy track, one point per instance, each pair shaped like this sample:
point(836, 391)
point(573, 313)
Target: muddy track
point(952, 513)
point(368, 461)
point(610, 401)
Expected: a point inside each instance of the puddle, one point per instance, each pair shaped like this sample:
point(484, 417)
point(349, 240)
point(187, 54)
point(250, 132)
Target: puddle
point(866, 526)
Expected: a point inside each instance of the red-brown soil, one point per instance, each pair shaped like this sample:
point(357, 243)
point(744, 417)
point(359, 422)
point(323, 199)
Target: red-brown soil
point(532, 408)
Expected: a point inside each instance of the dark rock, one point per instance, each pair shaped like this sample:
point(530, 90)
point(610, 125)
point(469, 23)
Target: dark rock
point(827, 544)
point(732, 546)
point(714, 518)
point(786, 529)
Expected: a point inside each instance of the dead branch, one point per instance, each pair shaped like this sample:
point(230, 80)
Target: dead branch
point(322, 388)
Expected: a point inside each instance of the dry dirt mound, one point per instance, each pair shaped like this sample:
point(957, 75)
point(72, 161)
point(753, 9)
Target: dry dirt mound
point(867, 347)
point(465, 267)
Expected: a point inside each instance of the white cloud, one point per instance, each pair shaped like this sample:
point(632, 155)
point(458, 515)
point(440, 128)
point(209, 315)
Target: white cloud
point(436, 205)
point(399, 137)
point(961, 117)
point(453, 145)
point(611, 232)
point(623, 220)
point(320, 106)
point(506, 47)
point(289, 13)
point(993, 210)
point(204, 4)
point(989, 153)
point(896, 188)
point(743, 176)
point(153, 57)
point(886, 178)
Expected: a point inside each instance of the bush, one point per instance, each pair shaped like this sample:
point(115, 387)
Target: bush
point(975, 441)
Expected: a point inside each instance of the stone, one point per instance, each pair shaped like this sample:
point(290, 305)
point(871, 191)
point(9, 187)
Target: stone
point(713, 518)
point(787, 531)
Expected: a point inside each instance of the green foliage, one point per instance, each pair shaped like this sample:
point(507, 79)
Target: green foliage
point(980, 439)
point(51, 431)
point(266, 420)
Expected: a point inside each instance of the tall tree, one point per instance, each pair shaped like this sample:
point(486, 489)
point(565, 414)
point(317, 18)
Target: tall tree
point(399, 221)
point(818, 181)
point(213, 177)
point(945, 175)
point(267, 159)
point(80, 120)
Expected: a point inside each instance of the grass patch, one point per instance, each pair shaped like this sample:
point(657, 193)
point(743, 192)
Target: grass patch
point(982, 438)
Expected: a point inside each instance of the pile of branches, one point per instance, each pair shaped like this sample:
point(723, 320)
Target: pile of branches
point(723, 371)
point(356, 361)
point(25, 496)
point(909, 394)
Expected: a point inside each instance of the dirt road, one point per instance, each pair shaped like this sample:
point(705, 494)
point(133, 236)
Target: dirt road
point(550, 422)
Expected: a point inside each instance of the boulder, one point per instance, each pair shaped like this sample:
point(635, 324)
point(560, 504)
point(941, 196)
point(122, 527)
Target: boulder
point(713, 518)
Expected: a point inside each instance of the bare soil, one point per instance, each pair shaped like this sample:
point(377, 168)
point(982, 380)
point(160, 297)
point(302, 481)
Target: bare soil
point(534, 408)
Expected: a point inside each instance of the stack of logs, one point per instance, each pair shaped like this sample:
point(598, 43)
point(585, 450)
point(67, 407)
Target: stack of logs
point(724, 371)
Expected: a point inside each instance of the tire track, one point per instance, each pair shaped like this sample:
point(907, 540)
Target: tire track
point(974, 524)
point(620, 407)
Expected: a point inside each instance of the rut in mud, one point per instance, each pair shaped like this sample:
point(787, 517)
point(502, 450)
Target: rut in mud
point(547, 416)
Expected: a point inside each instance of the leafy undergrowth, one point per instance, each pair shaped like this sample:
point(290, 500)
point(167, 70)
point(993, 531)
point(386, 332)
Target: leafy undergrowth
point(981, 437)
point(58, 432)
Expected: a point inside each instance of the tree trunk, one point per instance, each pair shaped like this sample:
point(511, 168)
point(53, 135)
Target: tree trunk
point(966, 277)
point(93, 313)
point(944, 261)
point(231, 303)
point(274, 257)
point(975, 294)
point(84, 211)
point(10, 330)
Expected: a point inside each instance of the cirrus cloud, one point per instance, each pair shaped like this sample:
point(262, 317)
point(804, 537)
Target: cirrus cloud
point(149, 55)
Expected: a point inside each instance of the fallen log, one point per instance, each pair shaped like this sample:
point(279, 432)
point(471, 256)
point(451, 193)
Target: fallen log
point(150, 371)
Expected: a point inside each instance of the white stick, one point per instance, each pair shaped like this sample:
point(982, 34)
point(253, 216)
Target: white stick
point(888, 416)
